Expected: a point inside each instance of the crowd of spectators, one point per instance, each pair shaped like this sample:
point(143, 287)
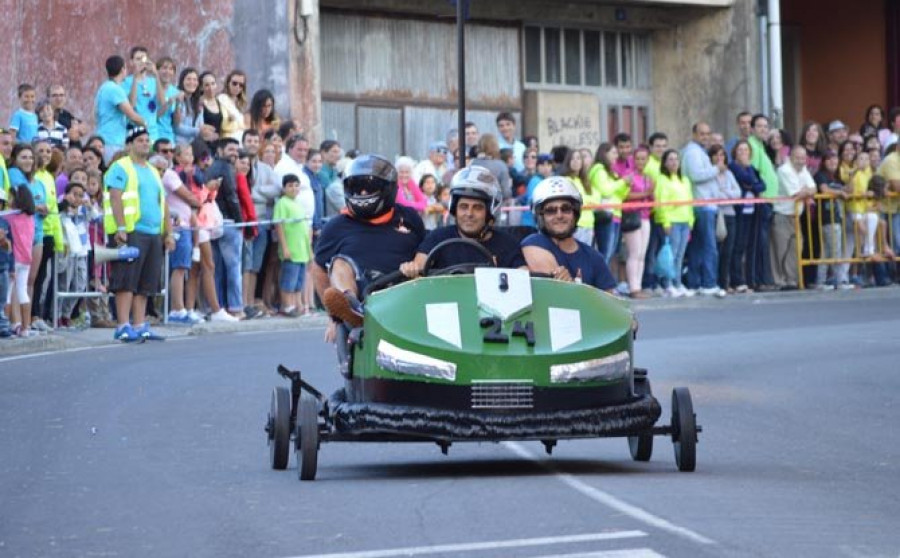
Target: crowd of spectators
point(175, 161)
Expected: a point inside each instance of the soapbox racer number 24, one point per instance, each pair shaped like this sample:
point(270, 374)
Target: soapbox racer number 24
point(480, 354)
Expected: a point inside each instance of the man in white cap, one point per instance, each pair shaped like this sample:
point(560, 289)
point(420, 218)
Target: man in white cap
point(435, 164)
point(837, 134)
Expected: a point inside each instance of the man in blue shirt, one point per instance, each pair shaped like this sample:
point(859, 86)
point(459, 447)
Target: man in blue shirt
point(112, 110)
point(133, 281)
point(474, 201)
point(554, 250)
point(506, 125)
point(145, 92)
point(704, 176)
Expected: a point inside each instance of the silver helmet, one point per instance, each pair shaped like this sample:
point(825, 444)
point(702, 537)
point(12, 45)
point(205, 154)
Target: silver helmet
point(478, 183)
point(555, 188)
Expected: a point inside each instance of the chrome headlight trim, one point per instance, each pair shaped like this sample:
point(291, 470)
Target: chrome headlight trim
point(393, 358)
point(613, 367)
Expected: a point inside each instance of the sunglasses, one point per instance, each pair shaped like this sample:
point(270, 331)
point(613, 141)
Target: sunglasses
point(565, 209)
point(236, 83)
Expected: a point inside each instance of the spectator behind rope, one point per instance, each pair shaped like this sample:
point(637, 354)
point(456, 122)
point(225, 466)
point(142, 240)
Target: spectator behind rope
point(136, 215)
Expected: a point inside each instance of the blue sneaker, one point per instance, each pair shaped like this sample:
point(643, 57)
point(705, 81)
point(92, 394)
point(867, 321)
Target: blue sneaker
point(146, 334)
point(126, 334)
point(179, 318)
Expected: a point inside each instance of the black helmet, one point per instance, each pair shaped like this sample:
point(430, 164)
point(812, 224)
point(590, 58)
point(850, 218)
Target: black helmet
point(370, 186)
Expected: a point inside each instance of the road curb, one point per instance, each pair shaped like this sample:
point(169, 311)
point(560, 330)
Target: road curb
point(75, 339)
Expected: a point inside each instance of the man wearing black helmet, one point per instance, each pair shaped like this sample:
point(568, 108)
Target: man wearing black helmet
point(556, 203)
point(372, 236)
point(474, 200)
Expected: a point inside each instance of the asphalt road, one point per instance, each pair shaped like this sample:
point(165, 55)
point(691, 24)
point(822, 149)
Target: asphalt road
point(158, 450)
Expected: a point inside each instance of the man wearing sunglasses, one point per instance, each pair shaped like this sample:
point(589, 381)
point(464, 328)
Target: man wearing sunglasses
point(556, 204)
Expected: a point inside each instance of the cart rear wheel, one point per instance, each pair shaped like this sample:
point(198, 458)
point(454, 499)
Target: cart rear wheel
point(641, 446)
point(307, 437)
point(278, 429)
point(684, 429)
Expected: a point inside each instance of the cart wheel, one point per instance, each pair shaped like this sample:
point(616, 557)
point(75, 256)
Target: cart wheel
point(684, 429)
point(307, 437)
point(278, 429)
point(641, 446)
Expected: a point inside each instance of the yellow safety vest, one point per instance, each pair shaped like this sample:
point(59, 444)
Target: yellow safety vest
point(131, 202)
point(52, 224)
point(4, 175)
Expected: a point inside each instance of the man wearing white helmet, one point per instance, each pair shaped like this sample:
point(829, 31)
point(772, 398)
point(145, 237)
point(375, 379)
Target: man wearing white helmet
point(474, 201)
point(556, 204)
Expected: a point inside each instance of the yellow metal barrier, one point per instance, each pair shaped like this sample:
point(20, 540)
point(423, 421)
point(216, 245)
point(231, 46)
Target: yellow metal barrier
point(846, 237)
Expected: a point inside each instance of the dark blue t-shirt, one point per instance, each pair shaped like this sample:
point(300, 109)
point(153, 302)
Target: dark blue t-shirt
point(588, 261)
point(504, 247)
point(380, 248)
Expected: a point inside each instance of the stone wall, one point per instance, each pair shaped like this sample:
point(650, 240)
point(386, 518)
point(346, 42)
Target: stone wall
point(706, 67)
point(68, 41)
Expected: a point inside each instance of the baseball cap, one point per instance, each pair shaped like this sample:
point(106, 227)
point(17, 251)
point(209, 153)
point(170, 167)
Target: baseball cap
point(134, 132)
point(438, 146)
point(836, 125)
point(544, 158)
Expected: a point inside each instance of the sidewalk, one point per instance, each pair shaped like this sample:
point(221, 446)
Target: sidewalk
point(62, 339)
point(72, 339)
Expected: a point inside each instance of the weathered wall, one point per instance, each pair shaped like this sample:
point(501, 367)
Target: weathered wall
point(705, 60)
point(68, 41)
point(705, 67)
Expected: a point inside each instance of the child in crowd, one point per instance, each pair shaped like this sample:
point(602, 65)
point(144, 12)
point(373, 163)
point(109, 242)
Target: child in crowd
point(6, 264)
point(73, 268)
point(857, 207)
point(243, 179)
point(49, 129)
point(875, 244)
point(97, 308)
point(434, 211)
point(24, 122)
point(180, 201)
point(22, 227)
point(443, 196)
point(293, 246)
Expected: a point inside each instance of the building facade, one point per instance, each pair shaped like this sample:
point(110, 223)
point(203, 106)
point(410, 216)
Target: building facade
point(380, 75)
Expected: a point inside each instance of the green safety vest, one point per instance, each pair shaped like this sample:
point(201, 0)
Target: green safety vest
point(4, 175)
point(131, 202)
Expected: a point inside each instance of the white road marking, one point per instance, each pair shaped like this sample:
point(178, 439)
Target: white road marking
point(621, 553)
point(611, 501)
point(60, 352)
point(487, 545)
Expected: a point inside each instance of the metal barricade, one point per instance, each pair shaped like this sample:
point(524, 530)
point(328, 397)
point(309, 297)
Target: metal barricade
point(844, 237)
point(59, 296)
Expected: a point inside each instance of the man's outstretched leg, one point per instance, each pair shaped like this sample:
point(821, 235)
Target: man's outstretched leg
point(339, 291)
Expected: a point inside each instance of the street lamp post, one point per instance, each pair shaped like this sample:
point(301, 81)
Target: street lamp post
point(461, 77)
